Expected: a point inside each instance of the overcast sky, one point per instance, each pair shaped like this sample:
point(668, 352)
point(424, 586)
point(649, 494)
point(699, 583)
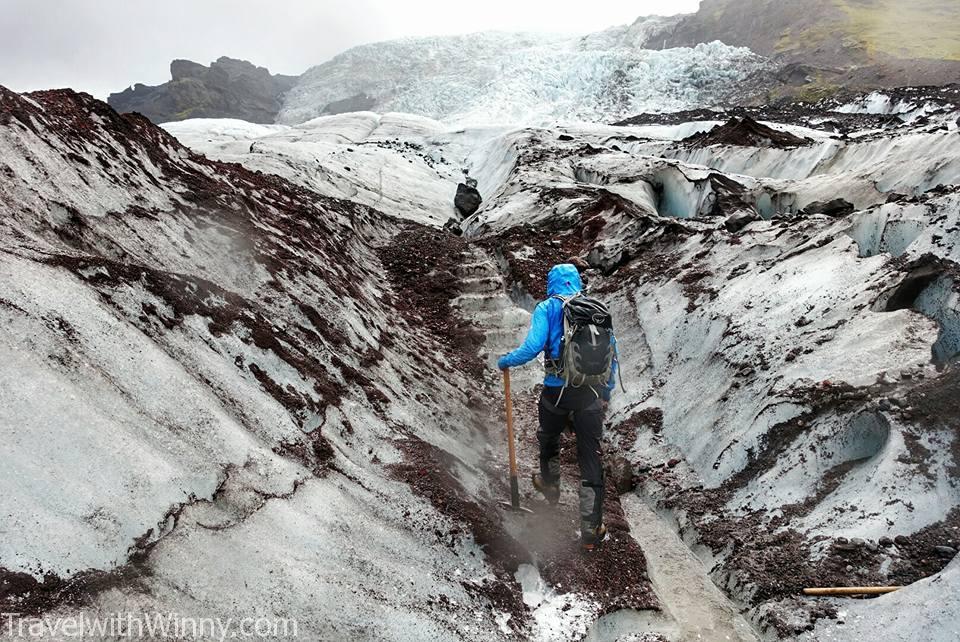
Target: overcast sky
point(102, 46)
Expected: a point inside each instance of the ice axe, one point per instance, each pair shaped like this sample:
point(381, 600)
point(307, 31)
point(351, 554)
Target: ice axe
point(514, 504)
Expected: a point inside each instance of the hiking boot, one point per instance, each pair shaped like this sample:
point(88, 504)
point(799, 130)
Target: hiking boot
point(551, 492)
point(591, 539)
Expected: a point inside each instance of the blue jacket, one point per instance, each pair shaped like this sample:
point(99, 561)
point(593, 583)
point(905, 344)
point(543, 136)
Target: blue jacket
point(546, 327)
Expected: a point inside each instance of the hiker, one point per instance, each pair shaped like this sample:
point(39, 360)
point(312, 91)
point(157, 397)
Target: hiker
point(576, 387)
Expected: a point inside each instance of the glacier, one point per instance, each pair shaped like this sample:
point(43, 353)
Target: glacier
point(524, 79)
point(248, 371)
point(794, 290)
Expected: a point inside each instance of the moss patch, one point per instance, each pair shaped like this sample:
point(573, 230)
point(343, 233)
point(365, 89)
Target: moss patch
point(914, 29)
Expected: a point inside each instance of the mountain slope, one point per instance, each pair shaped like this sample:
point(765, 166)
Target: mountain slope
point(228, 88)
point(856, 44)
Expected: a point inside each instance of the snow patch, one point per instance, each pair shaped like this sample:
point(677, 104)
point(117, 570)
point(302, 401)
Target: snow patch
point(557, 617)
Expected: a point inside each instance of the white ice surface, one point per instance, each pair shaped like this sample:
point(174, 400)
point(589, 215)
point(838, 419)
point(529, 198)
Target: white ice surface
point(683, 361)
point(521, 78)
point(925, 611)
point(556, 616)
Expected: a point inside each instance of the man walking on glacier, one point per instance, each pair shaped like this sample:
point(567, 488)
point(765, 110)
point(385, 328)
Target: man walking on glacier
point(575, 333)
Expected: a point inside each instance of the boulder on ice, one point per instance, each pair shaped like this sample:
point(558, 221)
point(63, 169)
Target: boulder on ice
point(468, 199)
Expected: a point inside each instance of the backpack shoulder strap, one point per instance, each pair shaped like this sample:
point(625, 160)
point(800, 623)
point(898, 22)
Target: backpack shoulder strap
point(565, 299)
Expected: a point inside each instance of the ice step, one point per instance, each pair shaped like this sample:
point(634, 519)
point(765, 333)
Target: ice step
point(471, 302)
point(494, 311)
point(505, 337)
point(480, 262)
point(482, 285)
point(499, 318)
point(481, 269)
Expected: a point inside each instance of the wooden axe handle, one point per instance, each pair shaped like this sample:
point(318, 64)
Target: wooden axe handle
point(851, 590)
point(508, 401)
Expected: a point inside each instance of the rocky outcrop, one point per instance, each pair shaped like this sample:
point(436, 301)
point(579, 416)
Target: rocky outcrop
point(468, 199)
point(228, 88)
point(835, 208)
point(739, 221)
point(746, 132)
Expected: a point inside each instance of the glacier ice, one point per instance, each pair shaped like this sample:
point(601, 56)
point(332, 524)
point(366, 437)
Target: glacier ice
point(497, 78)
point(731, 337)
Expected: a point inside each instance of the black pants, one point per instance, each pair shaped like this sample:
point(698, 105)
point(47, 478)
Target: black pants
point(582, 408)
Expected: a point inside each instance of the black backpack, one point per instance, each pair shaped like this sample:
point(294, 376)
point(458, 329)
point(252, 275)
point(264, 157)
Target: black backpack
point(587, 349)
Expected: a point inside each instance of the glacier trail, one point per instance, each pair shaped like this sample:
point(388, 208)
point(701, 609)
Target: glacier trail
point(260, 379)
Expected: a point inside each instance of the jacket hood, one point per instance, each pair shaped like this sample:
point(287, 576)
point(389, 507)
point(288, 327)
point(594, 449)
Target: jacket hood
point(563, 280)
